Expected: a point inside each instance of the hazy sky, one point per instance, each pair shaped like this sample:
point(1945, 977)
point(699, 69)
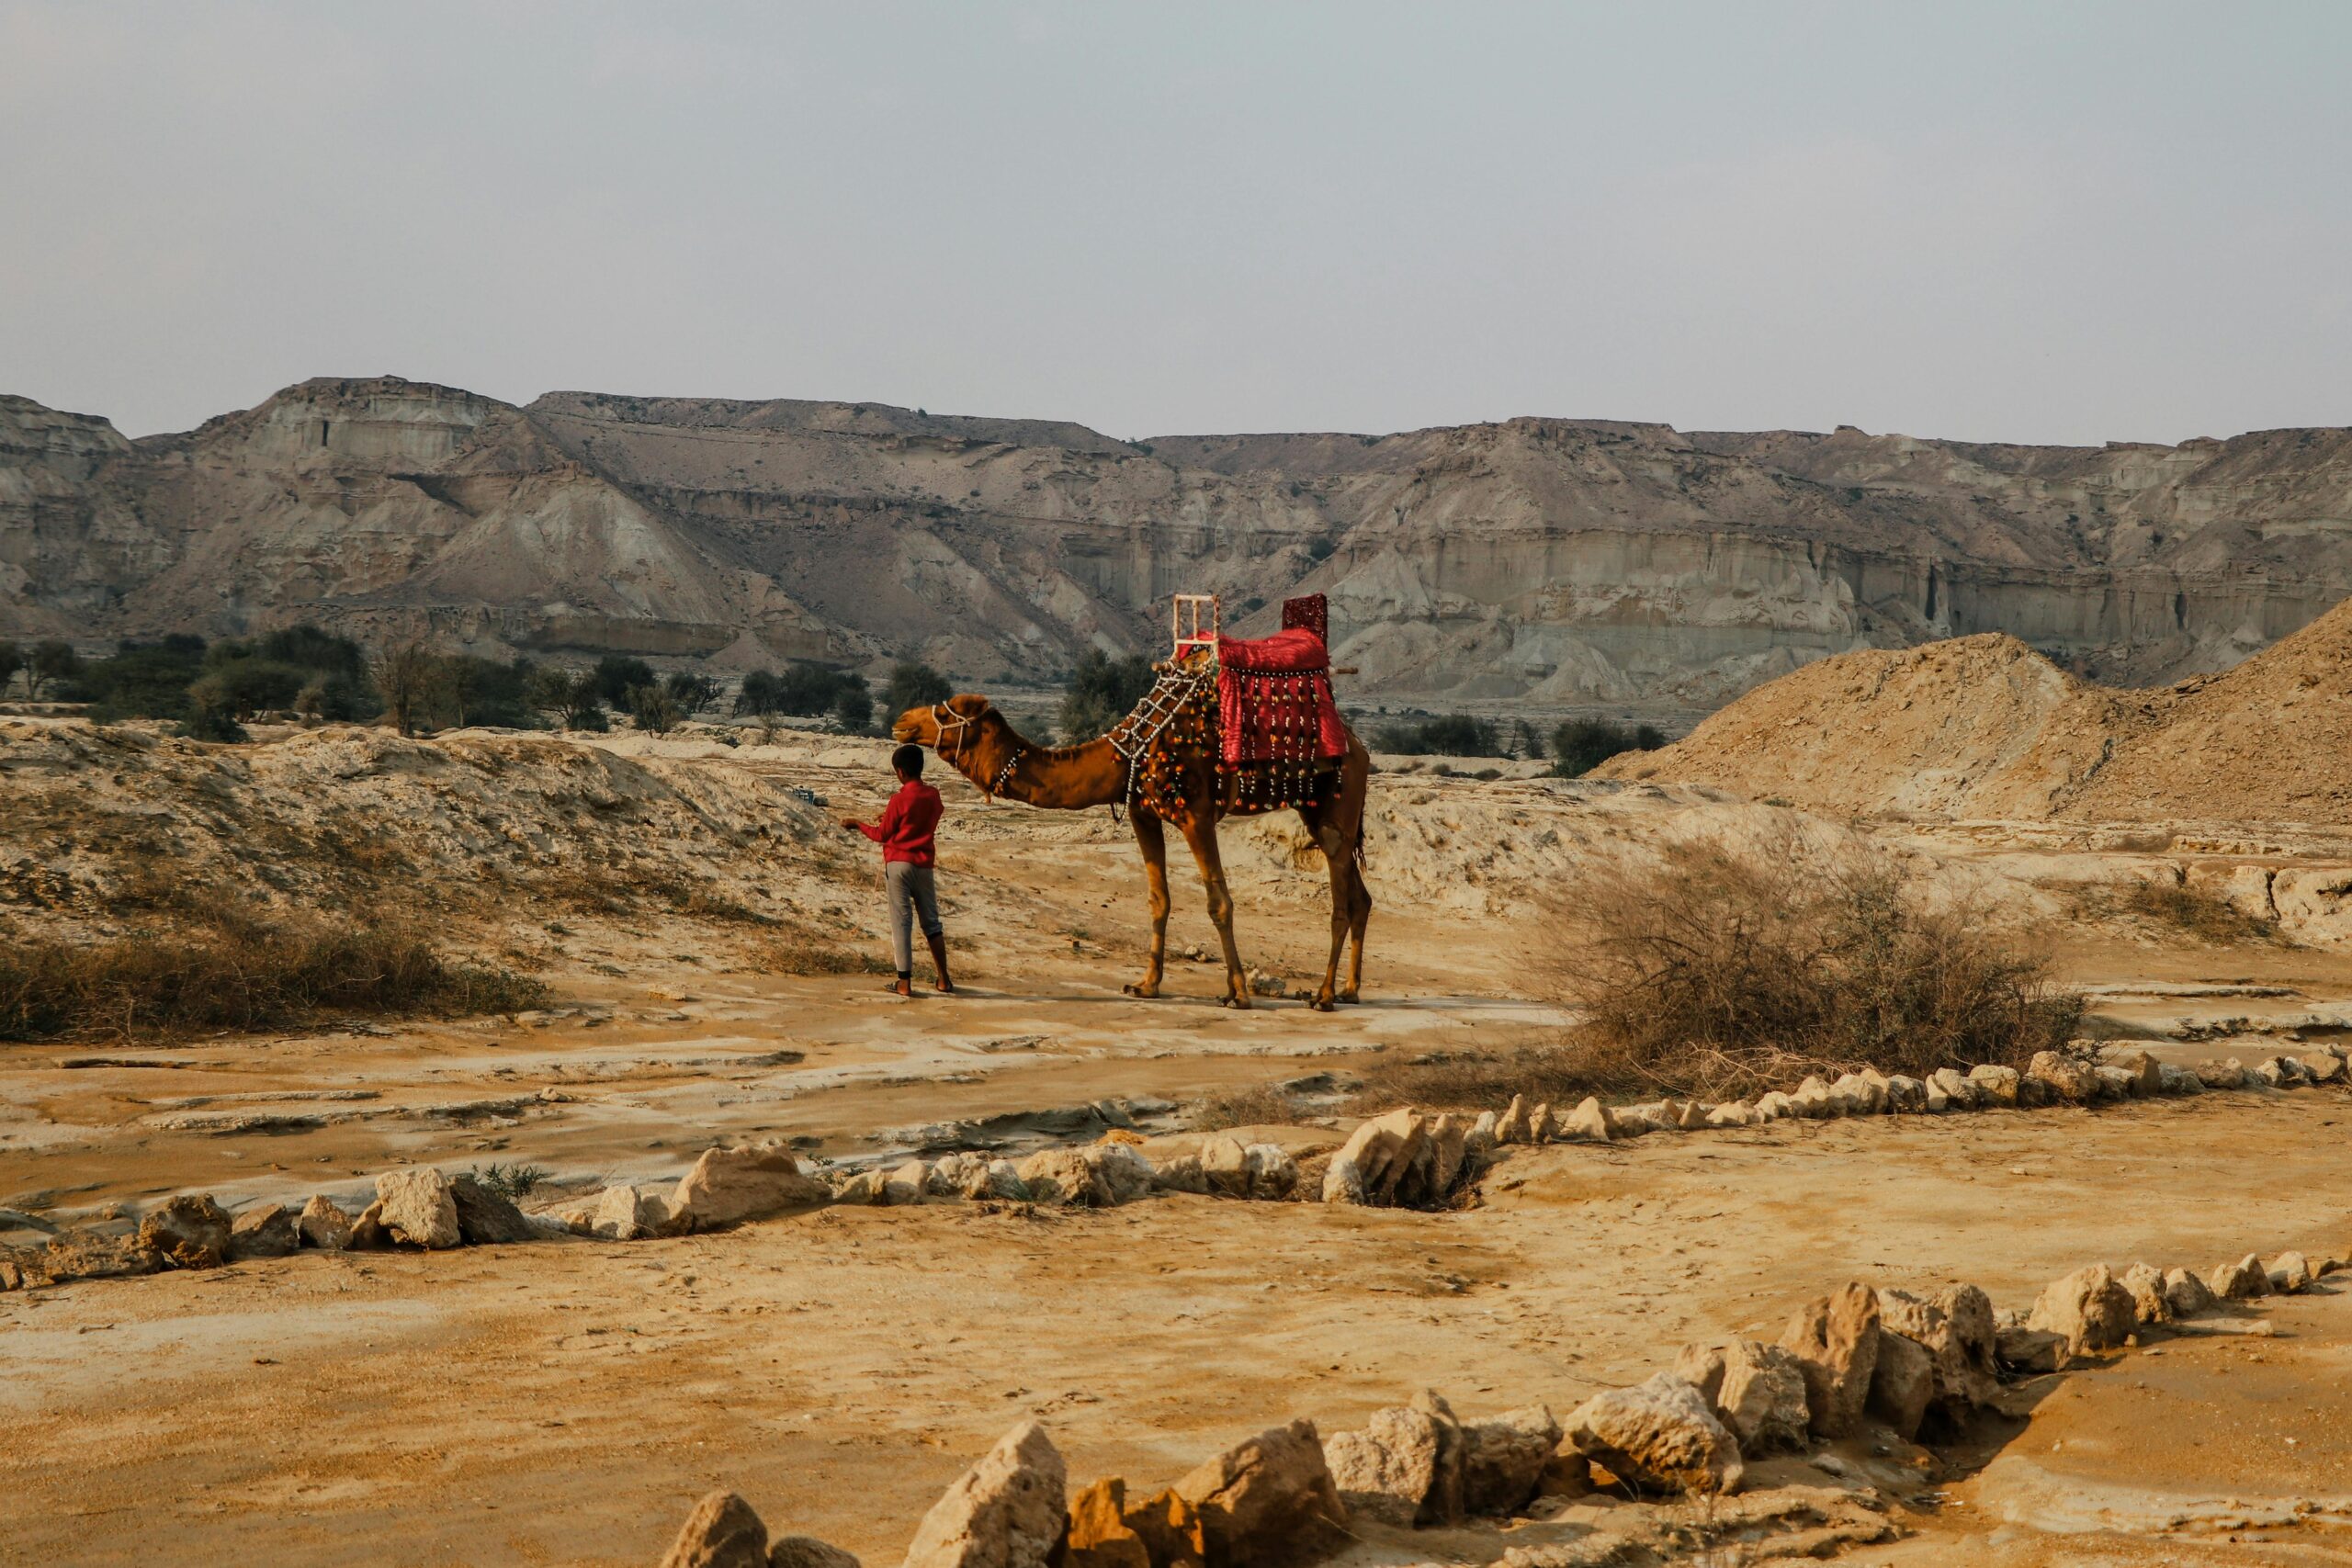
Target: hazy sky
point(2027, 222)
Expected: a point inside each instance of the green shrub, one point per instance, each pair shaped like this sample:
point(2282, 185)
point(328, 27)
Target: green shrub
point(1101, 692)
point(1452, 735)
point(615, 673)
point(1583, 744)
point(914, 686)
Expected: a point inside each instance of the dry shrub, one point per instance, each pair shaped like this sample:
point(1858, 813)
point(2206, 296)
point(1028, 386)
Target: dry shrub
point(238, 975)
point(1476, 1081)
point(2195, 912)
point(1721, 974)
point(1259, 1105)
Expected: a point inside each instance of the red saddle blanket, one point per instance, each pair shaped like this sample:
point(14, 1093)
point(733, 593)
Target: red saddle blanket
point(1275, 699)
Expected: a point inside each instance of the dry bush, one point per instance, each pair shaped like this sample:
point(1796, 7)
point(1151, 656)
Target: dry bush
point(1476, 1081)
point(2195, 912)
point(1259, 1105)
point(1723, 976)
point(237, 975)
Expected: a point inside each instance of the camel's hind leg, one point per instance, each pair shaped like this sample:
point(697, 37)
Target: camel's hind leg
point(1359, 916)
point(1152, 839)
point(1339, 858)
point(1347, 821)
point(1200, 833)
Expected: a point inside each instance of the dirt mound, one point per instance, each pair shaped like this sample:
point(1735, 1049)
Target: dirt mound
point(107, 826)
point(1985, 726)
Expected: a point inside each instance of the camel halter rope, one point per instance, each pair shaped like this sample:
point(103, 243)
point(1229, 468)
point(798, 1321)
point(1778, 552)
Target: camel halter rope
point(939, 715)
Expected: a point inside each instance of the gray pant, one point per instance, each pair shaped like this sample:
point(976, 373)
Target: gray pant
point(911, 893)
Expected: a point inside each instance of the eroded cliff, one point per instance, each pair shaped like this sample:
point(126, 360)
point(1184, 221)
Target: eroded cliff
point(1556, 562)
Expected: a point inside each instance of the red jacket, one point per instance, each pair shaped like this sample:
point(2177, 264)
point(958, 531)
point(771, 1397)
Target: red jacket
point(906, 823)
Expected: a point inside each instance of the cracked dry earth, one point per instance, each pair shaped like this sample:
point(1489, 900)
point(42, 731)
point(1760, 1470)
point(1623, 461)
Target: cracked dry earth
point(564, 1403)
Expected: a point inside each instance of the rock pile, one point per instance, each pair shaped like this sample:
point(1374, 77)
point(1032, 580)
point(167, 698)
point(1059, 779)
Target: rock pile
point(2085, 1074)
point(416, 1206)
point(1404, 1159)
point(1267, 1502)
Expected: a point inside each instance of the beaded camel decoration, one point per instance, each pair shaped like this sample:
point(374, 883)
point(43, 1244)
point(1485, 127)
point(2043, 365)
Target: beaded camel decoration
point(1165, 764)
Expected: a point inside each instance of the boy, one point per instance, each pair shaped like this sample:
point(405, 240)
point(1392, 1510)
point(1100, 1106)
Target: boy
point(908, 856)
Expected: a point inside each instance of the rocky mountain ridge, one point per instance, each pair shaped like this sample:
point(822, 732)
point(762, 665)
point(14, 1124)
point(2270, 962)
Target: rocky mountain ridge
point(1553, 563)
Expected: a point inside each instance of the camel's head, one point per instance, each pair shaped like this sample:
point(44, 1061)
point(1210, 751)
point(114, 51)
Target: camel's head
point(922, 725)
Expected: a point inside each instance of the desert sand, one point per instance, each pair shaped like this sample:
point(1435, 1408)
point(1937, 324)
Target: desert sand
point(567, 1401)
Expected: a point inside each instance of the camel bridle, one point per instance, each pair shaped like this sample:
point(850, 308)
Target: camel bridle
point(962, 743)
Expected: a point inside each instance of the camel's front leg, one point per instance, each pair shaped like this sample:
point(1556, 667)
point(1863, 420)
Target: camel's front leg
point(1200, 834)
point(1152, 839)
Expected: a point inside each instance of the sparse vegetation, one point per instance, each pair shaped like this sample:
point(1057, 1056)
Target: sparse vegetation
point(2197, 912)
point(1101, 692)
point(514, 1182)
point(51, 664)
point(1725, 975)
point(1721, 976)
point(616, 675)
point(1450, 735)
point(1583, 744)
point(852, 705)
point(237, 975)
point(805, 689)
point(569, 701)
point(1259, 1105)
point(405, 674)
point(651, 707)
point(914, 685)
point(692, 693)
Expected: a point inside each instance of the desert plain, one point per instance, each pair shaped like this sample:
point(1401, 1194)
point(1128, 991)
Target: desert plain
point(699, 921)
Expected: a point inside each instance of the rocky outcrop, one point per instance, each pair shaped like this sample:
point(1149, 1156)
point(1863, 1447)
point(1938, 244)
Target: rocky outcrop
point(722, 1532)
point(1835, 1341)
point(417, 1207)
point(1268, 1501)
point(1545, 560)
point(728, 1186)
point(1008, 1511)
point(189, 1231)
point(1659, 1435)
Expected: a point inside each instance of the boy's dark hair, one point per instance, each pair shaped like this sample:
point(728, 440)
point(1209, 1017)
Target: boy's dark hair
point(907, 759)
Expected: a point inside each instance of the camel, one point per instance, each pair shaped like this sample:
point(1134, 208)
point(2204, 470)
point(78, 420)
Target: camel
point(1174, 781)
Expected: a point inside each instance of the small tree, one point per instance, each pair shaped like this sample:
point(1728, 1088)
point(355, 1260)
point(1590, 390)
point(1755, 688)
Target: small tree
point(52, 661)
point(409, 676)
point(651, 707)
point(1101, 692)
point(808, 688)
point(914, 686)
point(692, 693)
point(1583, 744)
point(762, 694)
point(12, 659)
point(569, 701)
point(615, 673)
point(852, 705)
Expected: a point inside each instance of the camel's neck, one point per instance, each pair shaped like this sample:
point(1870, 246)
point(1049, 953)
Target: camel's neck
point(1057, 778)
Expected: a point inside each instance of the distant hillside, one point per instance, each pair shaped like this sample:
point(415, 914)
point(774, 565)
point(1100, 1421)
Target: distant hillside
point(1553, 562)
point(1984, 726)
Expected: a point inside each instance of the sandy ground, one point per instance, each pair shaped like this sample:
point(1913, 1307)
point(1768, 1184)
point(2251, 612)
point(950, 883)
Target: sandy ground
point(565, 1403)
